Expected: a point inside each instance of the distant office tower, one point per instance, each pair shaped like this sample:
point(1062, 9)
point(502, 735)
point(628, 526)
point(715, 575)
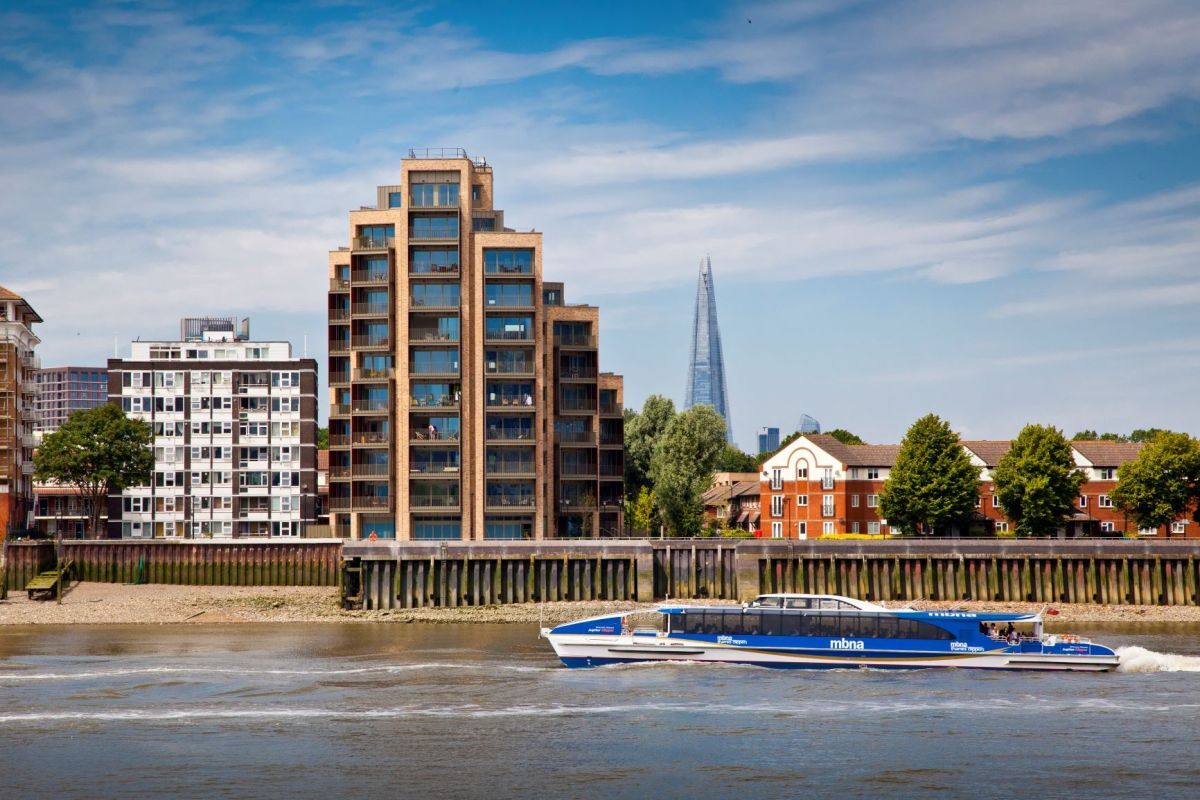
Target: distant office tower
point(808, 424)
point(768, 439)
point(18, 391)
point(706, 369)
point(235, 436)
point(466, 397)
point(64, 390)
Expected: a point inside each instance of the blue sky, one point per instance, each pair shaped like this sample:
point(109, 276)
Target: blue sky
point(986, 210)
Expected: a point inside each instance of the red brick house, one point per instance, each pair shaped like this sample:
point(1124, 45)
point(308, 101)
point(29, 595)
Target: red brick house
point(817, 486)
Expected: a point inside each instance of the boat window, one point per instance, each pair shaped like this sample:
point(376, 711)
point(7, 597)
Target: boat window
point(797, 602)
point(770, 624)
point(889, 628)
point(769, 602)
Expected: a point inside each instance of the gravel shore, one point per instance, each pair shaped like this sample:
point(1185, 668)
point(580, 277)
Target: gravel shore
point(109, 603)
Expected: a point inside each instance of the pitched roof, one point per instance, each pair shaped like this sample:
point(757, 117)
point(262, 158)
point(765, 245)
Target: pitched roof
point(728, 491)
point(1108, 454)
point(990, 451)
point(857, 455)
point(9, 294)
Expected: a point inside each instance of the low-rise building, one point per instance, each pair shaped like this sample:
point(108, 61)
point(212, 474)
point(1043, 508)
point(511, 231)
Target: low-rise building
point(819, 486)
point(732, 500)
point(62, 510)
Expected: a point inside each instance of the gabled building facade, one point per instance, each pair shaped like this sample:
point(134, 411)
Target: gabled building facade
point(818, 486)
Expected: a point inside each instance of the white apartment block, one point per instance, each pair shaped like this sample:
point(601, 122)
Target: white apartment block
point(235, 436)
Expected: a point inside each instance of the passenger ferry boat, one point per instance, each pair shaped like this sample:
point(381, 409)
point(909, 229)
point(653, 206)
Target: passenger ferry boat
point(793, 631)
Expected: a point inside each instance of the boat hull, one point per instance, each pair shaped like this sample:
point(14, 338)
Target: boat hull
point(593, 651)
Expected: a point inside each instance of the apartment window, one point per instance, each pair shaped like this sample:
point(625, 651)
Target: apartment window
point(434, 228)
point(995, 501)
point(1001, 527)
point(1107, 527)
point(978, 502)
point(1179, 526)
point(776, 530)
point(802, 529)
point(802, 473)
point(1148, 531)
point(1104, 501)
point(776, 505)
point(508, 261)
point(872, 473)
point(872, 501)
point(854, 527)
point(828, 528)
point(802, 500)
point(395, 199)
point(285, 379)
point(827, 505)
point(776, 479)
point(283, 528)
point(854, 500)
point(1107, 473)
point(827, 478)
point(873, 527)
point(1083, 501)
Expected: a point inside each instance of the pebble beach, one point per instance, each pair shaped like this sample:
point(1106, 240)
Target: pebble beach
point(158, 604)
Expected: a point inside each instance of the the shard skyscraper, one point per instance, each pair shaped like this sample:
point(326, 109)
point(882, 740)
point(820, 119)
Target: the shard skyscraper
point(706, 370)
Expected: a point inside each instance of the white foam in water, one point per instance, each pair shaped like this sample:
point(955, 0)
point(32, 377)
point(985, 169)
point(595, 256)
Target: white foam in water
point(1139, 659)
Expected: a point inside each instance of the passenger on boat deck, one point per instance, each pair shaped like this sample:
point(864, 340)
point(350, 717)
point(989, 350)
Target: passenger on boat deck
point(1012, 636)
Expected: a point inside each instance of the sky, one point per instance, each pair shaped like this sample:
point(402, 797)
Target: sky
point(990, 211)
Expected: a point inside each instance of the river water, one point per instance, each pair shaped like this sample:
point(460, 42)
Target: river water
point(430, 711)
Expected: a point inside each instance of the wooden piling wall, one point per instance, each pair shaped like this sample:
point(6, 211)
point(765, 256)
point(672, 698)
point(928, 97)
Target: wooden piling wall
point(193, 563)
point(415, 575)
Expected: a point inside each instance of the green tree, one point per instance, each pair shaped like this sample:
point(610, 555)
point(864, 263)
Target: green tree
point(99, 451)
point(642, 432)
point(1091, 436)
point(682, 466)
point(1146, 434)
point(731, 459)
point(844, 436)
point(933, 484)
point(642, 512)
point(322, 438)
point(1161, 484)
point(1037, 481)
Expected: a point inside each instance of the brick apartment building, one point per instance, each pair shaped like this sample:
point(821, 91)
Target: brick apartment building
point(466, 400)
point(18, 415)
point(817, 485)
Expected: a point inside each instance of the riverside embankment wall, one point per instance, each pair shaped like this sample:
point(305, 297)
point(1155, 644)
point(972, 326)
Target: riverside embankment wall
point(196, 563)
point(1111, 571)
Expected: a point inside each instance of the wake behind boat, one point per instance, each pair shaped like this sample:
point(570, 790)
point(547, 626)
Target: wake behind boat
point(793, 631)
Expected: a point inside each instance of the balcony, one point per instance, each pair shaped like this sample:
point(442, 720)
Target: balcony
point(437, 153)
point(577, 373)
point(339, 472)
point(339, 440)
point(612, 440)
point(422, 403)
point(610, 471)
point(372, 470)
point(336, 378)
point(367, 503)
point(575, 340)
point(370, 310)
point(338, 315)
point(371, 406)
point(516, 436)
point(339, 410)
point(339, 346)
point(431, 337)
point(440, 503)
point(432, 270)
point(520, 469)
point(577, 503)
point(578, 471)
point(374, 374)
point(441, 437)
point(584, 405)
point(433, 233)
point(430, 471)
point(370, 439)
point(575, 438)
point(371, 278)
point(339, 503)
point(339, 284)
point(502, 503)
point(505, 337)
point(611, 410)
point(373, 242)
point(371, 342)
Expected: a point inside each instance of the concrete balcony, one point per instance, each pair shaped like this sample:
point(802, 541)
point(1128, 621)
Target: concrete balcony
point(339, 284)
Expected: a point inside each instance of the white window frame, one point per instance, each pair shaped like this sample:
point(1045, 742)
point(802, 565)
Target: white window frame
point(995, 501)
point(828, 527)
point(872, 501)
point(873, 527)
point(776, 479)
point(872, 473)
point(1002, 527)
point(802, 500)
point(776, 530)
point(854, 499)
point(1179, 526)
point(802, 472)
point(1104, 501)
point(776, 505)
point(827, 479)
point(1107, 526)
point(1083, 501)
point(854, 527)
point(827, 506)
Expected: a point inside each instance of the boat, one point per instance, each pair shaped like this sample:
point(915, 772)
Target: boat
point(795, 631)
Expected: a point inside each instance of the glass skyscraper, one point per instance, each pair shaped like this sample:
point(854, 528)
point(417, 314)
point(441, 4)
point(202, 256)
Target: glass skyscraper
point(706, 369)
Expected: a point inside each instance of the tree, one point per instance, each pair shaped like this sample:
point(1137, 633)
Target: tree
point(682, 466)
point(322, 438)
point(642, 432)
point(933, 483)
point(1037, 481)
point(731, 459)
point(642, 511)
point(1160, 485)
point(99, 451)
point(1091, 436)
point(844, 436)
point(1146, 434)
